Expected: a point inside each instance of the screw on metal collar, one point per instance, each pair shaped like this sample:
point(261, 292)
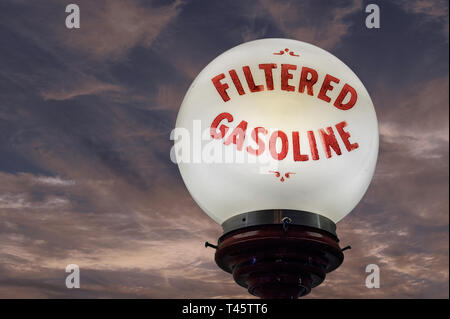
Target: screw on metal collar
point(286, 221)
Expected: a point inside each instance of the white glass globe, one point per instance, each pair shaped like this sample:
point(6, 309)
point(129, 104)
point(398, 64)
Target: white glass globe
point(276, 124)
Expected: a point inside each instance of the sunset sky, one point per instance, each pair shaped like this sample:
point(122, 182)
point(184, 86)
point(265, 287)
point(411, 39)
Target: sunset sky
point(85, 120)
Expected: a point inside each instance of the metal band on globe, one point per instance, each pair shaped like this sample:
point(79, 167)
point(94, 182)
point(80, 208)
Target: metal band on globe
point(279, 216)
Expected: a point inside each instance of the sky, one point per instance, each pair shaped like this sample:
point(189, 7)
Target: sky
point(85, 120)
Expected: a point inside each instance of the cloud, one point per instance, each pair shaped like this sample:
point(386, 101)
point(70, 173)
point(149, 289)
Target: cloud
point(431, 10)
point(417, 120)
point(90, 86)
point(19, 201)
point(56, 181)
point(113, 244)
point(322, 25)
point(109, 29)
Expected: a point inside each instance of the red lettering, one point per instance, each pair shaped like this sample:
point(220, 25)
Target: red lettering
point(345, 136)
point(286, 76)
point(313, 146)
point(259, 142)
point(308, 83)
point(273, 145)
point(268, 74)
point(237, 82)
point(296, 148)
point(237, 136)
point(326, 86)
point(346, 89)
point(329, 141)
point(223, 128)
point(221, 87)
point(250, 82)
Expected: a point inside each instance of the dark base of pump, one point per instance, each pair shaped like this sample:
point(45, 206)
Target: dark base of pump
point(278, 260)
